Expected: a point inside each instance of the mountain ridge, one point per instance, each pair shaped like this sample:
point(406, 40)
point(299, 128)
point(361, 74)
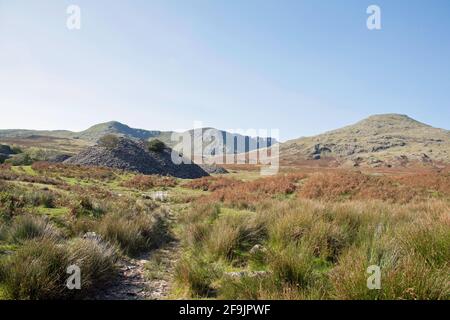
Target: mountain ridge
point(378, 140)
point(95, 132)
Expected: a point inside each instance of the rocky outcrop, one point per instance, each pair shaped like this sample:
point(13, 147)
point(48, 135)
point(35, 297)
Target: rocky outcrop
point(133, 155)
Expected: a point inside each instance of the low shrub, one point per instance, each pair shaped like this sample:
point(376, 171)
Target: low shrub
point(41, 198)
point(231, 235)
point(37, 271)
point(96, 261)
point(198, 222)
point(142, 182)
point(197, 275)
point(27, 227)
point(134, 232)
point(109, 141)
point(22, 159)
point(156, 145)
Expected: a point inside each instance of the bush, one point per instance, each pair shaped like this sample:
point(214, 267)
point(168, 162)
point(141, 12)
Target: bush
point(10, 204)
point(233, 234)
point(134, 232)
point(3, 158)
point(156, 145)
point(22, 159)
point(96, 261)
point(27, 227)
point(41, 198)
point(198, 222)
point(109, 141)
point(37, 271)
point(197, 275)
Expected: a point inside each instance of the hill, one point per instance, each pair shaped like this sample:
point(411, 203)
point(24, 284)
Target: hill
point(379, 140)
point(75, 141)
point(133, 155)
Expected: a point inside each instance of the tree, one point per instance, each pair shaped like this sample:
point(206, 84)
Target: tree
point(109, 141)
point(156, 145)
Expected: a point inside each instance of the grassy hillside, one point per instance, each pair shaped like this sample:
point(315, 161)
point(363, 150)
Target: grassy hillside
point(379, 140)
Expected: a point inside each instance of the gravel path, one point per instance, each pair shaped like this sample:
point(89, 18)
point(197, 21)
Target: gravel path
point(148, 277)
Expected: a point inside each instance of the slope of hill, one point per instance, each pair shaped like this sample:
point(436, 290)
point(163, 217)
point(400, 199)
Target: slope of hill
point(388, 139)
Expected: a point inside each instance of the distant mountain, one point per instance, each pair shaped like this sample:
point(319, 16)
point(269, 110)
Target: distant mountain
point(99, 130)
point(91, 136)
point(387, 139)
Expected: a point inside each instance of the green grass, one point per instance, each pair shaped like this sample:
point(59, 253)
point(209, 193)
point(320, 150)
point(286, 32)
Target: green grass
point(3, 294)
point(52, 212)
point(8, 248)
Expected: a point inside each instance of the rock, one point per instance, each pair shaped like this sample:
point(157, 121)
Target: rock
point(258, 249)
point(59, 158)
point(92, 236)
point(425, 158)
point(6, 150)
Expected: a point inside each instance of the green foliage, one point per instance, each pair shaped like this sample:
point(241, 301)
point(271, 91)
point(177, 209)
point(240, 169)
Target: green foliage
point(27, 227)
point(36, 271)
point(22, 159)
point(156, 145)
point(135, 231)
point(108, 141)
point(95, 259)
point(197, 274)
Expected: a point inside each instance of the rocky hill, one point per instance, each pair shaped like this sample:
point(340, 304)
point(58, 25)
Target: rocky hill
point(134, 155)
point(380, 140)
point(91, 135)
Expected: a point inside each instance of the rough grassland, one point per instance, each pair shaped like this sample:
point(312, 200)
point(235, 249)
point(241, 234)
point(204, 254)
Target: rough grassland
point(303, 234)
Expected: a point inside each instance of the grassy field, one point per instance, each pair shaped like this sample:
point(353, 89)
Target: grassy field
point(303, 234)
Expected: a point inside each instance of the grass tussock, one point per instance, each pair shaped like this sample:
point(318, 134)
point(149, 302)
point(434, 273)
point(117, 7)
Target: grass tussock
point(28, 227)
point(197, 276)
point(322, 249)
point(134, 232)
point(38, 270)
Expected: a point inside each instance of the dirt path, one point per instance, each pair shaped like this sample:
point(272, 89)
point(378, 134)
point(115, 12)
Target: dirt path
point(148, 277)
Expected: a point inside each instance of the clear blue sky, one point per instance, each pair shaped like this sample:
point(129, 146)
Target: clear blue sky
point(301, 66)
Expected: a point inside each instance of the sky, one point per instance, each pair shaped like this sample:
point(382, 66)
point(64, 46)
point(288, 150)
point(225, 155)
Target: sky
point(303, 67)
